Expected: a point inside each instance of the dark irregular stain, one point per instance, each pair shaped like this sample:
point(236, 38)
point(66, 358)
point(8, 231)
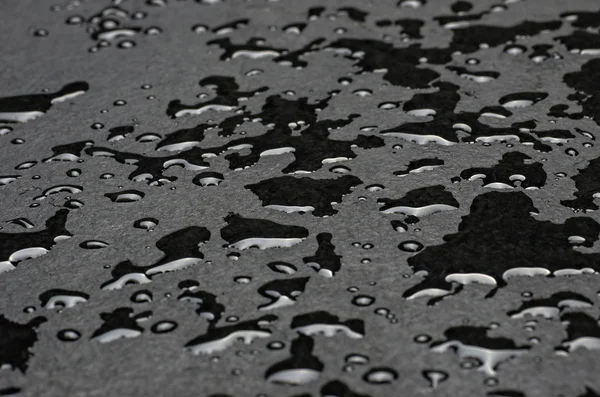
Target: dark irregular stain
point(16, 342)
point(285, 193)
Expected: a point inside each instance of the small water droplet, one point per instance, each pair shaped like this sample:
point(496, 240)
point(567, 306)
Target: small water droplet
point(74, 20)
point(126, 44)
point(163, 327)
point(490, 382)
point(363, 300)
point(381, 311)
point(93, 244)
point(410, 246)
point(75, 172)
point(40, 33)
point(199, 28)
point(234, 256)
point(153, 31)
point(242, 279)
point(145, 223)
point(73, 204)
point(139, 15)
point(380, 375)
point(571, 152)
point(356, 359)
point(388, 105)
point(276, 345)
point(435, 377)
point(68, 335)
point(340, 169)
point(375, 188)
point(423, 338)
point(142, 296)
point(148, 137)
point(515, 49)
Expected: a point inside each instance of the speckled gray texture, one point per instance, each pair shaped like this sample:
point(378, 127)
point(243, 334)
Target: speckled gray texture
point(173, 62)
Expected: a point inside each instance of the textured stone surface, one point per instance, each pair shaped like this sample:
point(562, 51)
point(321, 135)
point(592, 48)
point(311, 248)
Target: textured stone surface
point(443, 239)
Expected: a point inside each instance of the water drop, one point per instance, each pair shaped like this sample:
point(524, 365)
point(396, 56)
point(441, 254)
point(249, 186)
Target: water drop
point(74, 20)
point(126, 44)
point(340, 169)
point(380, 376)
point(381, 311)
point(73, 204)
point(199, 28)
point(75, 172)
point(276, 345)
point(93, 244)
point(208, 179)
point(411, 3)
point(282, 267)
point(126, 196)
point(410, 246)
point(40, 33)
point(142, 296)
point(515, 49)
point(362, 92)
point(26, 165)
point(356, 359)
point(388, 105)
point(571, 152)
point(163, 327)
point(375, 188)
point(148, 137)
point(234, 256)
point(363, 300)
point(490, 382)
point(68, 335)
point(242, 279)
point(423, 338)
point(153, 31)
point(435, 377)
point(146, 223)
